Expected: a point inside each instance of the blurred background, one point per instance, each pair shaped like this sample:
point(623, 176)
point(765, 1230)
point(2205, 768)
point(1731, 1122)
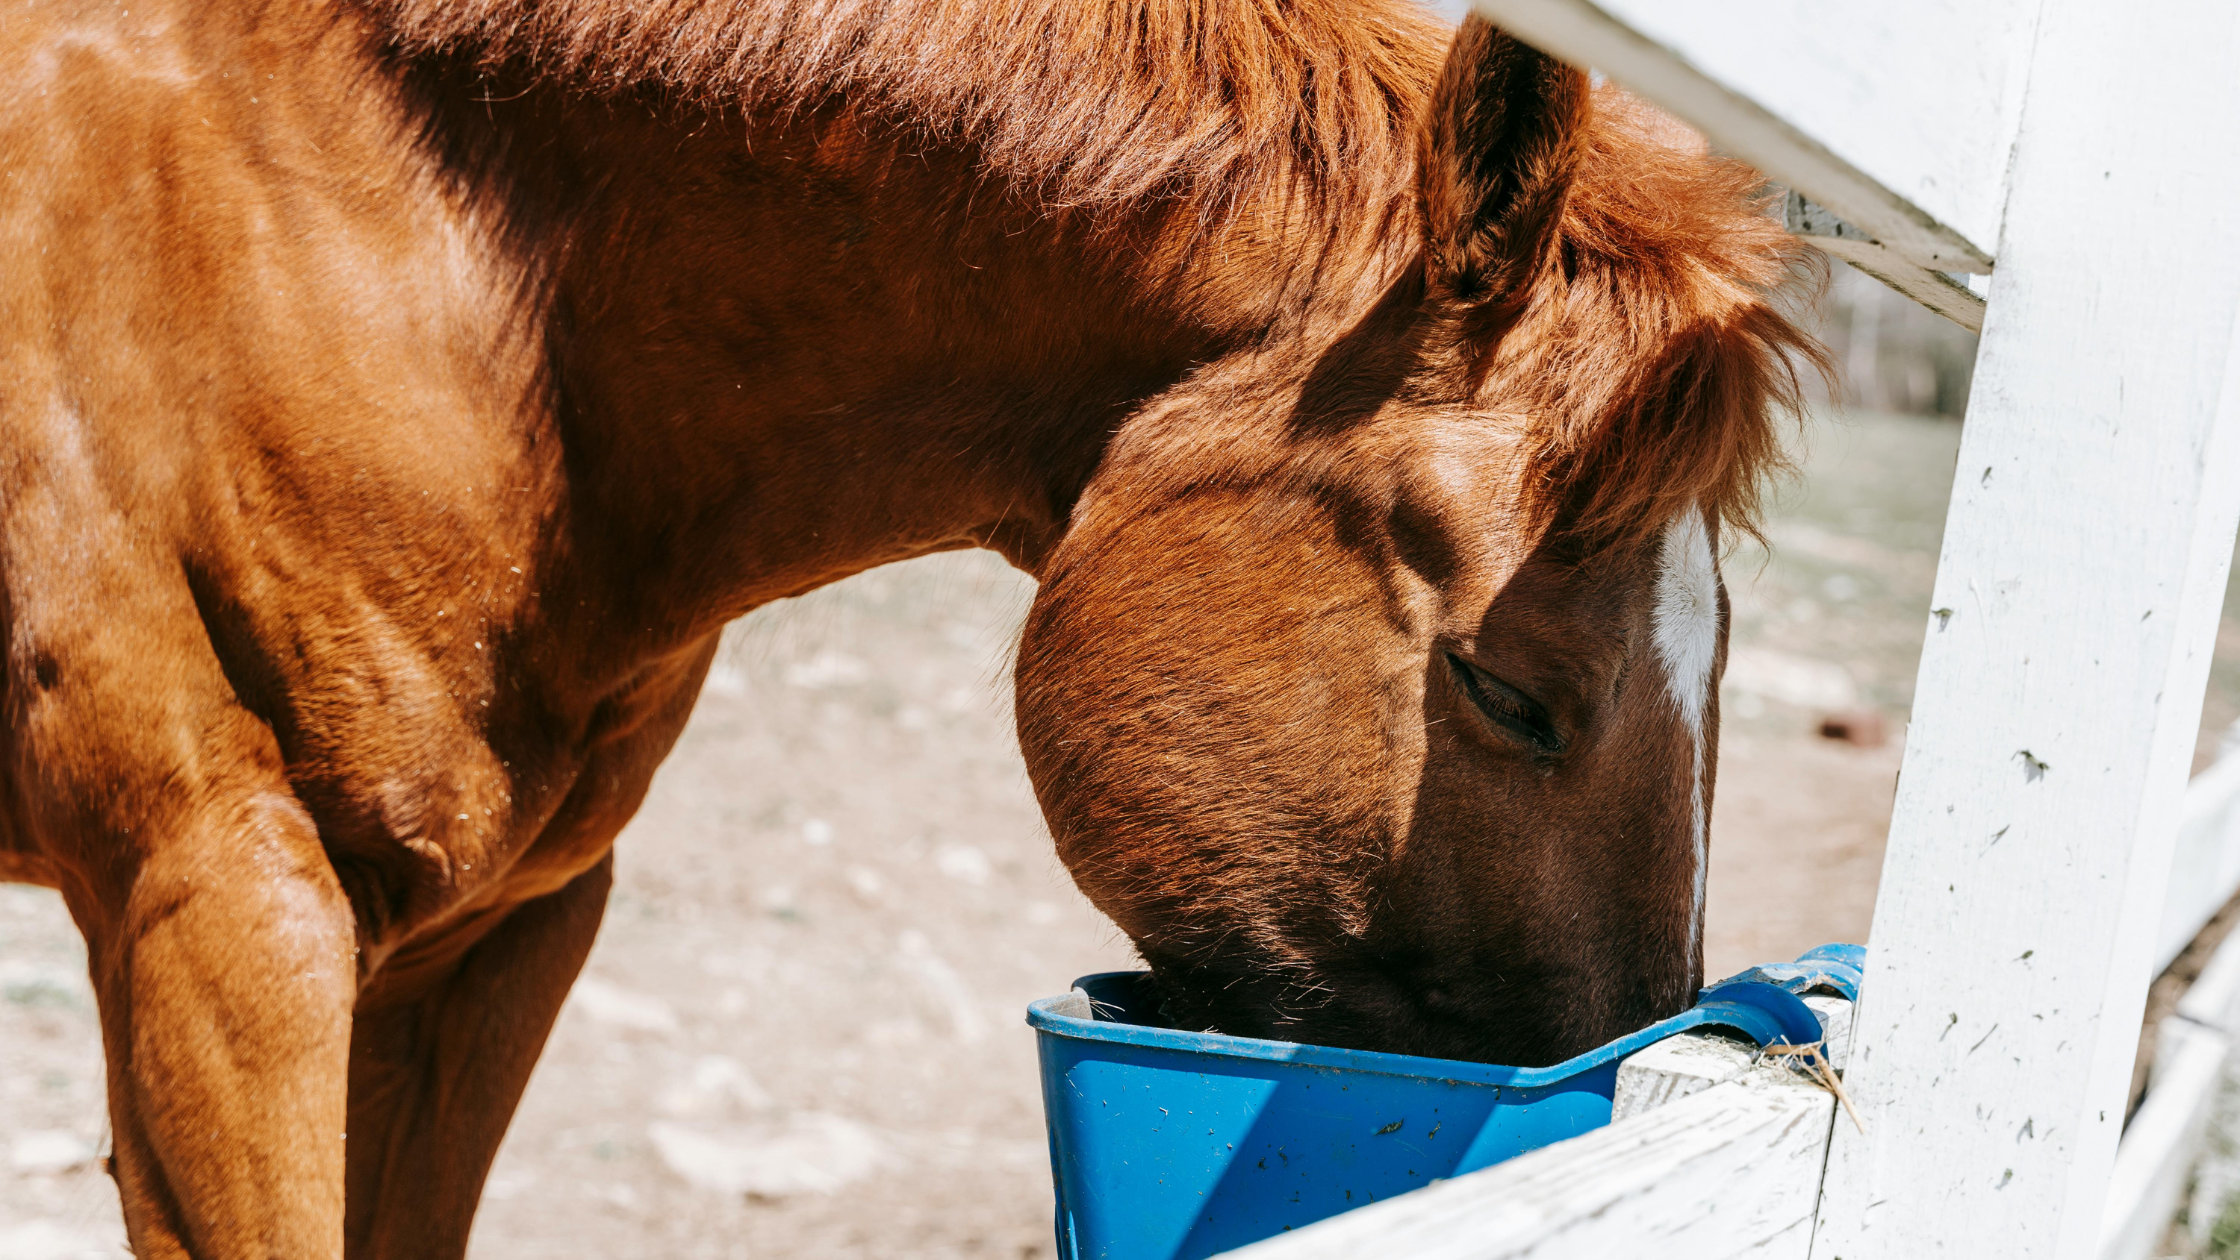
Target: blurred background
point(800, 1033)
point(1895, 356)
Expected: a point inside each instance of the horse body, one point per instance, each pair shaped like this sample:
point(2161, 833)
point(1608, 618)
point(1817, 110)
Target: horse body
point(389, 422)
point(457, 507)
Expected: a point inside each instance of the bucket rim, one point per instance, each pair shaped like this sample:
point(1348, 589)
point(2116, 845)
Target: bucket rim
point(1761, 1004)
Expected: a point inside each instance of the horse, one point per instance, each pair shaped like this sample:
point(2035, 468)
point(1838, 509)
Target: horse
point(398, 396)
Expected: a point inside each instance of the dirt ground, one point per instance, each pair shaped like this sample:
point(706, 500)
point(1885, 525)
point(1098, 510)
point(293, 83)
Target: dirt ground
point(800, 1033)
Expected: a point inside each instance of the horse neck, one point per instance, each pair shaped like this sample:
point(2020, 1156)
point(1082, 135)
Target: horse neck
point(787, 353)
point(784, 355)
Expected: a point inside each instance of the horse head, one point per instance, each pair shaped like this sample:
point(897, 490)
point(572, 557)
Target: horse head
point(1373, 689)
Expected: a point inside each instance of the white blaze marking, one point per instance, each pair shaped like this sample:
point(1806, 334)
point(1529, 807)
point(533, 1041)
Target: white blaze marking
point(1687, 637)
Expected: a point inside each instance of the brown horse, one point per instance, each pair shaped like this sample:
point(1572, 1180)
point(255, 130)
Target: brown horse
point(397, 398)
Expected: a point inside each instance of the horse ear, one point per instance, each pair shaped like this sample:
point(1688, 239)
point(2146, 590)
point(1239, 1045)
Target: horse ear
point(1495, 157)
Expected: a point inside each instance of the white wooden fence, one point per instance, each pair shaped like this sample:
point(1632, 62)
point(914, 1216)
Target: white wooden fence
point(2062, 174)
point(1714, 1152)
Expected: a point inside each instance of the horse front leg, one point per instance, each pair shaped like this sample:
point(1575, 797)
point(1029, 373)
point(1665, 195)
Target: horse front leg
point(436, 1073)
point(224, 965)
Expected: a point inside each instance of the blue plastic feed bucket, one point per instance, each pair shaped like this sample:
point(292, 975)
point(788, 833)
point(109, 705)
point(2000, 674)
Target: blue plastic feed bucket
point(1171, 1145)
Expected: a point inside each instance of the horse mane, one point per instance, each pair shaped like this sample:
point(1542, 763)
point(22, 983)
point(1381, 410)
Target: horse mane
point(1081, 104)
point(1654, 365)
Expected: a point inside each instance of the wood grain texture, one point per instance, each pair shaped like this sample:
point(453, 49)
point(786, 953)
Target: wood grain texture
point(1642, 1179)
point(1835, 1014)
point(2075, 607)
point(1676, 1068)
point(1731, 1171)
point(1833, 235)
point(1898, 116)
point(1681, 1066)
point(1933, 289)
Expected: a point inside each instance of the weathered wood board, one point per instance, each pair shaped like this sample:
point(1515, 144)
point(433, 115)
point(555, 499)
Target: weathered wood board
point(1712, 1151)
point(1661, 1184)
point(2075, 608)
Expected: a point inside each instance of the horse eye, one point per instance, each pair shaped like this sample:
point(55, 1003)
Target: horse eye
point(1514, 712)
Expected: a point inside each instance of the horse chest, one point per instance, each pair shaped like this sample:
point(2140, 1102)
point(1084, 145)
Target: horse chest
point(432, 817)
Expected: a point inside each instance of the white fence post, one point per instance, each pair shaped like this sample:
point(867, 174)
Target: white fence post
point(2084, 561)
point(2075, 608)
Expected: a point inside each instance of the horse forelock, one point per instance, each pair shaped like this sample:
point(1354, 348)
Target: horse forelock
point(1662, 352)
